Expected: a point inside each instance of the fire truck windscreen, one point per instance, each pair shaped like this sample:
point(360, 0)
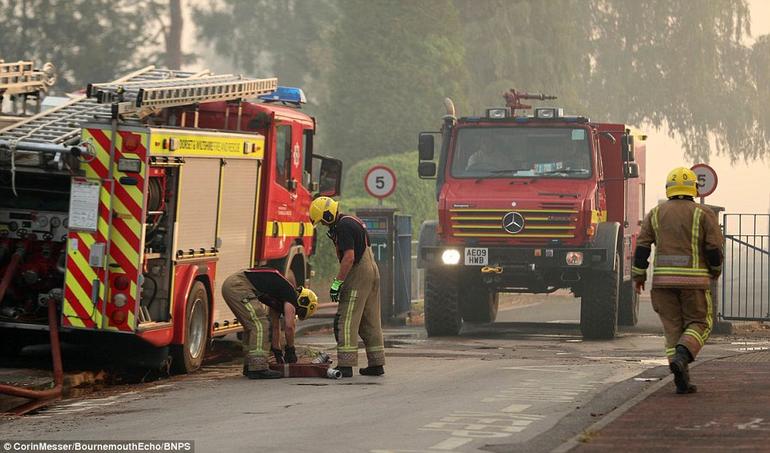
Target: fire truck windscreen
point(505, 152)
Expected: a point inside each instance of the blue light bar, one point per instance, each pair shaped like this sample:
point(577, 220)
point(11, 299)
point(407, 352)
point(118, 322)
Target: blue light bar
point(289, 95)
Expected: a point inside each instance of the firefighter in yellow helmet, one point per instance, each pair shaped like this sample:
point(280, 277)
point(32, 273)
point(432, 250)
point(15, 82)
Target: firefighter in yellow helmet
point(259, 298)
point(688, 255)
point(356, 288)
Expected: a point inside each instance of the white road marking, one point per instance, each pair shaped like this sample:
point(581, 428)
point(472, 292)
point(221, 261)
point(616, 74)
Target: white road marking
point(451, 443)
point(516, 408)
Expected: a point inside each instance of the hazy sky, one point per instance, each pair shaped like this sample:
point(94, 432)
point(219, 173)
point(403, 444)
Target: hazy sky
point(742, 187)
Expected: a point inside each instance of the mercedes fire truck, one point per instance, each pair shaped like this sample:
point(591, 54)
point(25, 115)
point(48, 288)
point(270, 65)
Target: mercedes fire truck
point(531, 203)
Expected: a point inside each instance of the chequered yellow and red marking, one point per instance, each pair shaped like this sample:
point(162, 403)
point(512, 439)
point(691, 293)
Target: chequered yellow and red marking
point(125, 208)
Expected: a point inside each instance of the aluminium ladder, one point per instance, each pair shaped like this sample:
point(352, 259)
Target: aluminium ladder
point(143, 97)
point(61, 124)
point(21, 77)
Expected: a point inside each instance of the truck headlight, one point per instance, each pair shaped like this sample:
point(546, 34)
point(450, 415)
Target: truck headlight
point(574, 258)
point(450, 256)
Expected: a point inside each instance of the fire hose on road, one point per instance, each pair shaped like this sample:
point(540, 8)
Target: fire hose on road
point(39, 398)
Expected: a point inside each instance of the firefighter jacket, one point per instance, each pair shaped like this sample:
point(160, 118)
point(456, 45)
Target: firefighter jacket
point(688, 246)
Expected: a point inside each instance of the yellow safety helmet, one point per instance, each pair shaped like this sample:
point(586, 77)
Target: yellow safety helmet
point(681, 181)
point(307, 303)
point(324, 210)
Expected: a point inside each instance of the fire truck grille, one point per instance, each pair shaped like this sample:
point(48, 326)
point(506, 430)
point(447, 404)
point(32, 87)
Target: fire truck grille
point(549, 221)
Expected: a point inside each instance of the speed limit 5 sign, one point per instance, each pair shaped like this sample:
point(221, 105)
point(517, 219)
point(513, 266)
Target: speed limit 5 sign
point(707, 179)
point(380, 181)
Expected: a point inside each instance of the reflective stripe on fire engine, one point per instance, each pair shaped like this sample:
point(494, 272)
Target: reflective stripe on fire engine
point(124, 209)
point(204, 144)
point(560, 211)
point(291, 229)
point(520, 235)
point(527, 227)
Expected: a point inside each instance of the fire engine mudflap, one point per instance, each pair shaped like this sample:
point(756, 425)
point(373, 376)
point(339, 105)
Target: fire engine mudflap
point(531, 204)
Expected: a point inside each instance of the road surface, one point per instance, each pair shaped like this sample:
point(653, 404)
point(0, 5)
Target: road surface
point(525, 383)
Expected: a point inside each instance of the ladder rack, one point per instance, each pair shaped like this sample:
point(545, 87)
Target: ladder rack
point(62, 124)
point(21, 77)
point(139, 97)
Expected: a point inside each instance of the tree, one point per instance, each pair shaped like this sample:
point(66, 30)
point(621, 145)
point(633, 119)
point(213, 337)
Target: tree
point(173, 35)
point(393, 64)
point(87, 40)
point(271, 38)
point(670, 63)
point(538, 46)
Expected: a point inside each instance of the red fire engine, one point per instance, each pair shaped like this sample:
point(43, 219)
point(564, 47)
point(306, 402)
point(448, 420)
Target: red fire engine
point(129, 206)
point(531, 204)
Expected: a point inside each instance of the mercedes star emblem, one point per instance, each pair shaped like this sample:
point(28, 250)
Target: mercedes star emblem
point(513, 222)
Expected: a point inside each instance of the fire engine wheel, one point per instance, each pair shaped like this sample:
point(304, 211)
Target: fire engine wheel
point(188, 357)
point(628, 307)
point(599, 305)
point(442, 310)
point(479, 304)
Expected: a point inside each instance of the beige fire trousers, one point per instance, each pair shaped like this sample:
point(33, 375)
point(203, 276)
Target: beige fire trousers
point(241, 297)
point(358, 314)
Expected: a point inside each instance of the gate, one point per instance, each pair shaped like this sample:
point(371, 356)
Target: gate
point(746, 269)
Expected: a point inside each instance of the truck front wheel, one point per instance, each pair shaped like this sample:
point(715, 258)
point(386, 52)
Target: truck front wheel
point(599, 304)
point(442, 311)
point(479, 303)
point(628, 309)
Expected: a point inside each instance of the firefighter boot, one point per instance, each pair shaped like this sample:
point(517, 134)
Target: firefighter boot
point(264, 374)
point(377, 370)
point(345, 371)
point(679, 367)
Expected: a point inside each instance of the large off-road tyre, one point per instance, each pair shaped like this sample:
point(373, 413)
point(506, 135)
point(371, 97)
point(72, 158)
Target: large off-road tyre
point(628, 305)
point(478, 304)
point(442, 308)
point(188, 357)
point(599, 305)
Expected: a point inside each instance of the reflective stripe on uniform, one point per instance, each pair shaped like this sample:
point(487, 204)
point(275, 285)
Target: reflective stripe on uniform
point(695, 235)
point(348, 317)
point(655, 231)
point(695, 334)
point(709, 316)
point(258, 351)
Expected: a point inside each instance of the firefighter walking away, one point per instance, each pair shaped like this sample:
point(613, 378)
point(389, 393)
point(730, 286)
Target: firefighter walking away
point(688, 255)
point(356, 289)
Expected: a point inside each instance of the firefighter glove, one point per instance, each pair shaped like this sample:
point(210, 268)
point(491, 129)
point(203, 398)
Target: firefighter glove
point(290, 354)
point(278, 356)
point(335, 290)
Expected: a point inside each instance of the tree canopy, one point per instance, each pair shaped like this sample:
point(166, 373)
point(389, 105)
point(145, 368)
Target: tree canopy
point(384, 66)
point(87, 40)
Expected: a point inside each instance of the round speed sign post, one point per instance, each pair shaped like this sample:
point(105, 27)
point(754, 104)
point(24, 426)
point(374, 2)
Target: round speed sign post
point(380, 182)
point(707, 180)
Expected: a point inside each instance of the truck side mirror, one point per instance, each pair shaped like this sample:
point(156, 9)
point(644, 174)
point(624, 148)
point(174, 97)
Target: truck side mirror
point(427, 170)
point(426, 146)
point(631, 170)
point(627, 148)
point(329, 176)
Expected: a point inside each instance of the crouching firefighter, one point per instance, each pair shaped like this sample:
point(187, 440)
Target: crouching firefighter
point(254, 295)
point(688, 255)
point(356, 289)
